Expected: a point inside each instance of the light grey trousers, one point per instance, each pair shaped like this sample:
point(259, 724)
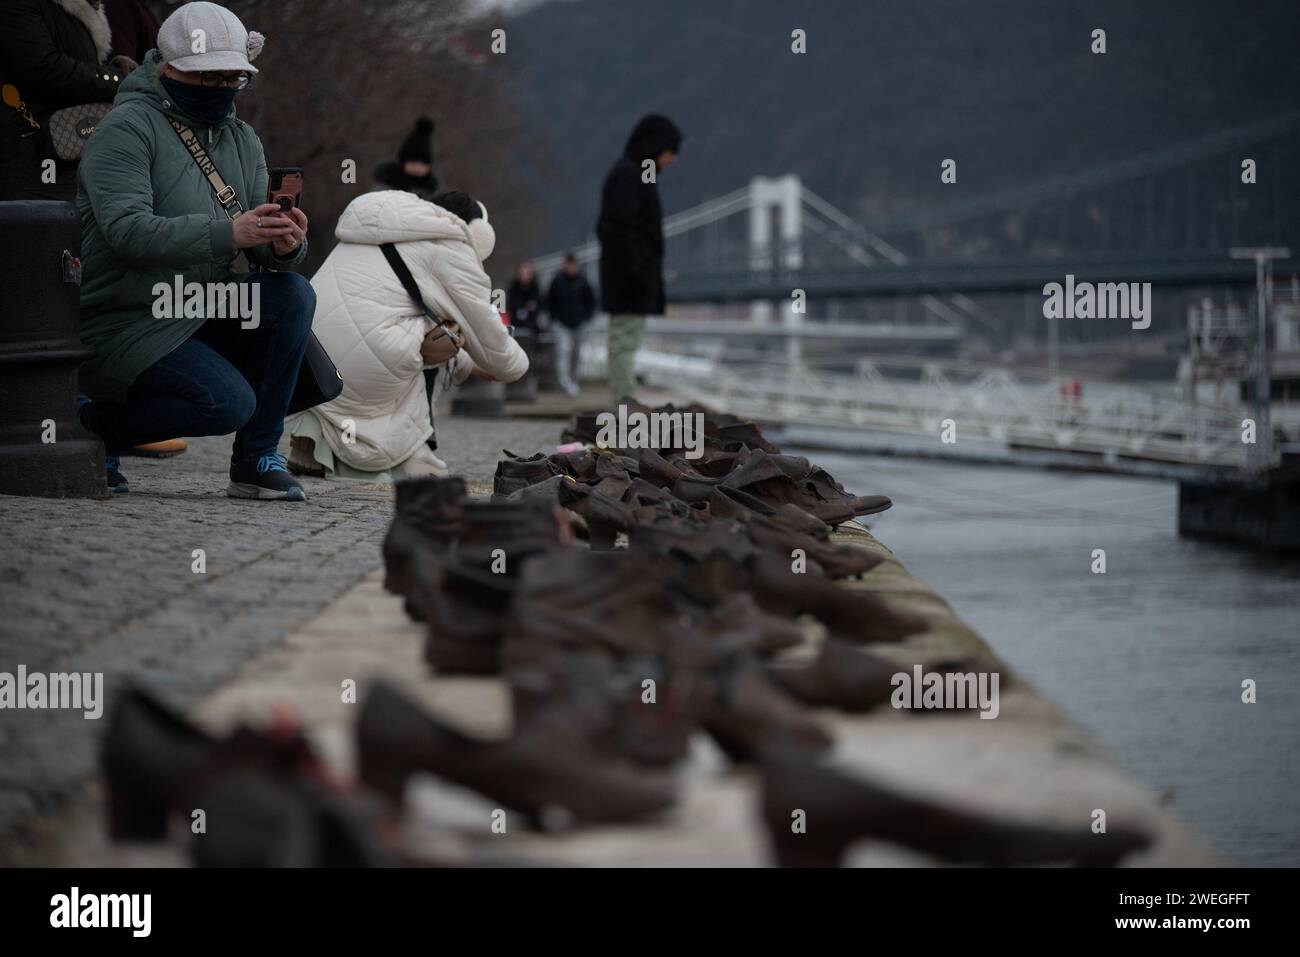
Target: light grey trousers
point(625, 336)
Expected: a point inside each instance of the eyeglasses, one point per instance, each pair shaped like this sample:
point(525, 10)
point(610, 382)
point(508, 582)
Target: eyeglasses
point(234, 81)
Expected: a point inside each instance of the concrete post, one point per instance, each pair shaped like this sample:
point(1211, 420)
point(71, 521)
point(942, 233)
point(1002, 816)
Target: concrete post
point(785, 194)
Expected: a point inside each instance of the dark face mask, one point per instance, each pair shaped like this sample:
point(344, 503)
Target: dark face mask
point(207, 105)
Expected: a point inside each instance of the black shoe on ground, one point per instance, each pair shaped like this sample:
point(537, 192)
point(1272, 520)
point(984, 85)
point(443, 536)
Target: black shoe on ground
point(265, 477)
point(112, 463)
point(116, 480)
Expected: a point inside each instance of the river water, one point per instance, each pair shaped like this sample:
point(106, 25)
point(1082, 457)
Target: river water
point(1149, 657)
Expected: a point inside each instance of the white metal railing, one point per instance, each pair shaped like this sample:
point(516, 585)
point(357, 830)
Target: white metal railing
point(993, 405)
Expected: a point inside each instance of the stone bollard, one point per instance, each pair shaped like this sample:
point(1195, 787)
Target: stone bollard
point(43, 450)
point(548, 378)
point(525, 389)
point(480, 398)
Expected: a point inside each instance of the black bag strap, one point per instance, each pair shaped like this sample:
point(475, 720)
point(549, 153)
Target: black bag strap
point(194, 146)
point(408, 283)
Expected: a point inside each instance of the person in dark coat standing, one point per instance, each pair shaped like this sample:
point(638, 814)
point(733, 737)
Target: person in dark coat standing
point(524, 300)
point(524, 307)
point(135, 28)
point(413, 170)
point(52, 55)
point(570, 303)
point(630, 230)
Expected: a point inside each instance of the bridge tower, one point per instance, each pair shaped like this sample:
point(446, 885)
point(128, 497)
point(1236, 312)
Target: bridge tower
point(780, 197)
point(784, 195)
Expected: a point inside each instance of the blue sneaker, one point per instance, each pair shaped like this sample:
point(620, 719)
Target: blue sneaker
point(112, 469)
point(265, 477)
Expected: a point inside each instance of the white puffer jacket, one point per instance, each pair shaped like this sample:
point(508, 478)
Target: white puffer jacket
point(372, 330)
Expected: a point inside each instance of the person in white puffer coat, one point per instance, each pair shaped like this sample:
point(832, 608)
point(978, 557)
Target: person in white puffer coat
point(373, 331)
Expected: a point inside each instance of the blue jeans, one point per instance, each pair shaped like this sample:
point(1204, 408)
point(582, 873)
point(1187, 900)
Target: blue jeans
point(222, 379)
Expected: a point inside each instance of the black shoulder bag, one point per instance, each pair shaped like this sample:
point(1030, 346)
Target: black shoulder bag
point(319, 380)
point(454, 338)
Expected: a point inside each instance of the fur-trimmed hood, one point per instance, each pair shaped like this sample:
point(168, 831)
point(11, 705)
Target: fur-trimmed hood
point(94, 18)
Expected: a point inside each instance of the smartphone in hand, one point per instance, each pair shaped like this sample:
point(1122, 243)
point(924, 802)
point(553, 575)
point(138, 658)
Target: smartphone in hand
point(285, 188)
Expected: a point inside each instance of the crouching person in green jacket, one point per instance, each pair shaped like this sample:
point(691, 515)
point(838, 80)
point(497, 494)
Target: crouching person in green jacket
point(185, 346)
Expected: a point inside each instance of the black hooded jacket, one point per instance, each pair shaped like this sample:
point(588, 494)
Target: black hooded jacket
point(54, 61)
point(569, 299)
point(630, 226)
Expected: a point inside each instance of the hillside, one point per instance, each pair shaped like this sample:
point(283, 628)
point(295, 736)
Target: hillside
point(886, 91)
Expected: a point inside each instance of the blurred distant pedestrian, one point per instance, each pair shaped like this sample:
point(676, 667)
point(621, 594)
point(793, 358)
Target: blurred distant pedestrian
point(134, 26)
point(570, 302)
point(630, 229)
point(413, 170)
point(524, 300)
point(524, 307)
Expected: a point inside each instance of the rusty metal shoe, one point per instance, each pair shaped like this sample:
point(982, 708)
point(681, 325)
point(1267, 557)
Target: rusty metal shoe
point(605, 516)
point(840, 810)
point(514, 473)
point(429, 514)
point(855, 681)
point(747, 434)
point(835, 561)
point(464, 592)
point(665, 529)
point(770, 479)
point(658, 469)
point(858, 617)
point(736, 504)
point(156, 763)
point(738, 619)
point(748, 716)
point(256, 819)
point(632, 706)
point(576, 598)
point(544, 491)
point(720, 563)
point(691, 540)
point(547, 765)
point(509, 531)
point(466, 610)
point(840, 676)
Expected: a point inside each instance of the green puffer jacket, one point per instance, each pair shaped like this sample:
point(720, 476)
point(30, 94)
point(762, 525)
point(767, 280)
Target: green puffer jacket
point(149, 215)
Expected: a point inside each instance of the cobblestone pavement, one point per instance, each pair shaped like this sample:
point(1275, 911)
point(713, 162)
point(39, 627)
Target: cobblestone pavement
point(108, 586)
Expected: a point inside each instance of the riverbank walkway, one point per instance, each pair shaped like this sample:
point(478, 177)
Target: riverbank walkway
point(290, 604)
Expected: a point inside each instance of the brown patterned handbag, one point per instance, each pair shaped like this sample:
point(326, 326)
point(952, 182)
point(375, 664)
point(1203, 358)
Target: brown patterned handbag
point(66, 130)
point(70, 127)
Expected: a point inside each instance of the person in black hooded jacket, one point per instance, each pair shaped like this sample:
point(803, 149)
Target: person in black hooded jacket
point(413, 170)
point(52, 55)
point(630, 229)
